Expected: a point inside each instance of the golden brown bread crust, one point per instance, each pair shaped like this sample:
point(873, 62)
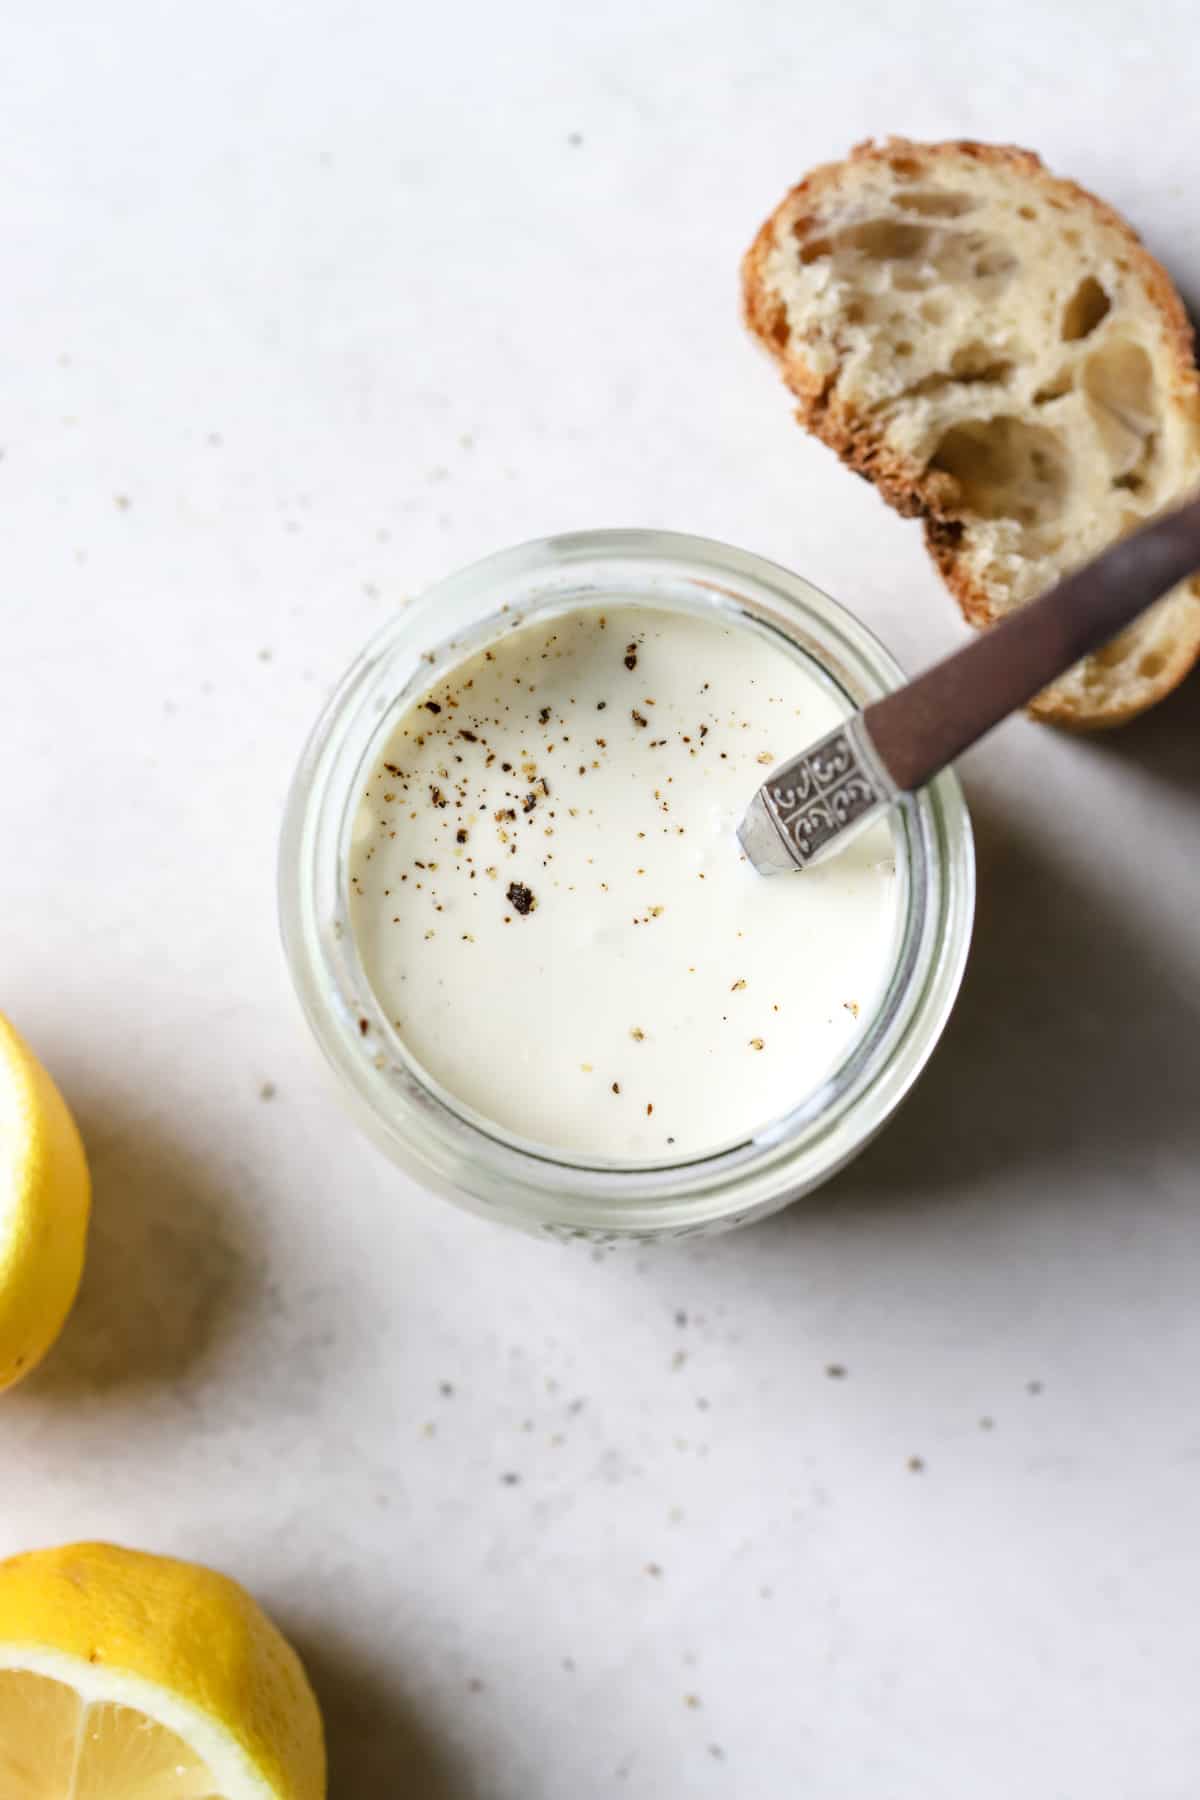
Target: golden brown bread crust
point(913, 490)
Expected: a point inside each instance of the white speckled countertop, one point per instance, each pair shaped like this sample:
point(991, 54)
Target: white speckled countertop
point(302, 307)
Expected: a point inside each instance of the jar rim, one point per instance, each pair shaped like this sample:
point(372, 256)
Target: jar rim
point(426, 1131)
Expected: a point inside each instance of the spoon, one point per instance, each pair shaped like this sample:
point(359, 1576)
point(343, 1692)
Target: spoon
point(812, 806)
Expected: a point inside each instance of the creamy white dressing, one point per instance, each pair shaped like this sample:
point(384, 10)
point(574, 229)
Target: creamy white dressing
point(552, 909)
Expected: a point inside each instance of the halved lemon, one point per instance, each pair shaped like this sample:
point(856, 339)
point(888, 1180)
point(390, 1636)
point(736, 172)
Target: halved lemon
point(44, 1198)
point(125, 1676)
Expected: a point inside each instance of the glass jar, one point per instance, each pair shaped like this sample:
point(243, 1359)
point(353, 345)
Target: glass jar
point(463, 1156)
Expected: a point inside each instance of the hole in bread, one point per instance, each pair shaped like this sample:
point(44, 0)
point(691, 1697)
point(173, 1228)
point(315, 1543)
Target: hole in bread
point(1084, 310)
point(1027, 212)
point(889, 240)
point(779, 330)
point(910, 280)
point(936, 204)
point(933, 311)
point(1004, 468)
point(994, 262)
point(1121, 377)
point(972, 374)
point(1118, 651)
point(1055, 388)
point(906, 167)
point(1118, 382)
point(1152, 665)
point(854, 312)
point(972, 365)
point(1072, 238)
point(814, 249)
point(978, 362)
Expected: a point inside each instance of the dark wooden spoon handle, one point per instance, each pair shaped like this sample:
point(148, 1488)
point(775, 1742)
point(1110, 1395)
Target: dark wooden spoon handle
point(922, 727)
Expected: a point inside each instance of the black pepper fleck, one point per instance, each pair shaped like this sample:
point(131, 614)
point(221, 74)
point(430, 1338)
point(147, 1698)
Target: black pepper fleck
point(520, 898)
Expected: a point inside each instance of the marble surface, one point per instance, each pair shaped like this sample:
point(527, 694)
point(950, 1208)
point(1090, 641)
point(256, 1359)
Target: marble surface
point(302, 307)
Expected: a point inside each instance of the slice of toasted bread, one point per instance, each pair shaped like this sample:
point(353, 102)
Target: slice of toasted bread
point(997, 352)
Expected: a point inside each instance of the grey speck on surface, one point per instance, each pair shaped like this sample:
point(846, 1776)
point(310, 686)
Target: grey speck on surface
point(916, 1464)
point(267, 1091)
point(575, 139)
point(510, 1478)
point(836, 1371)
point(1033, 1387)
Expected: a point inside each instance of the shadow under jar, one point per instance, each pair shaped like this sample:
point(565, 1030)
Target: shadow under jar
point(793, 1123)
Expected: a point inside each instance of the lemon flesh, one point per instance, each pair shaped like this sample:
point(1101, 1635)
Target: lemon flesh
point(55, 1746)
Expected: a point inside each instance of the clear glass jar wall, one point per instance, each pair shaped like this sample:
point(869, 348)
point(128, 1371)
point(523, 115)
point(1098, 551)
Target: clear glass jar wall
point(420, 1126)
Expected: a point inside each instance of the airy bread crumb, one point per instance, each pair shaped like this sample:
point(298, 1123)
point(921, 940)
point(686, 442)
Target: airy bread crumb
point(997, 352)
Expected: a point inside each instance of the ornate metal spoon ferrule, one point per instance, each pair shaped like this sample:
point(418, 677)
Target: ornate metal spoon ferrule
point(814, 804)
